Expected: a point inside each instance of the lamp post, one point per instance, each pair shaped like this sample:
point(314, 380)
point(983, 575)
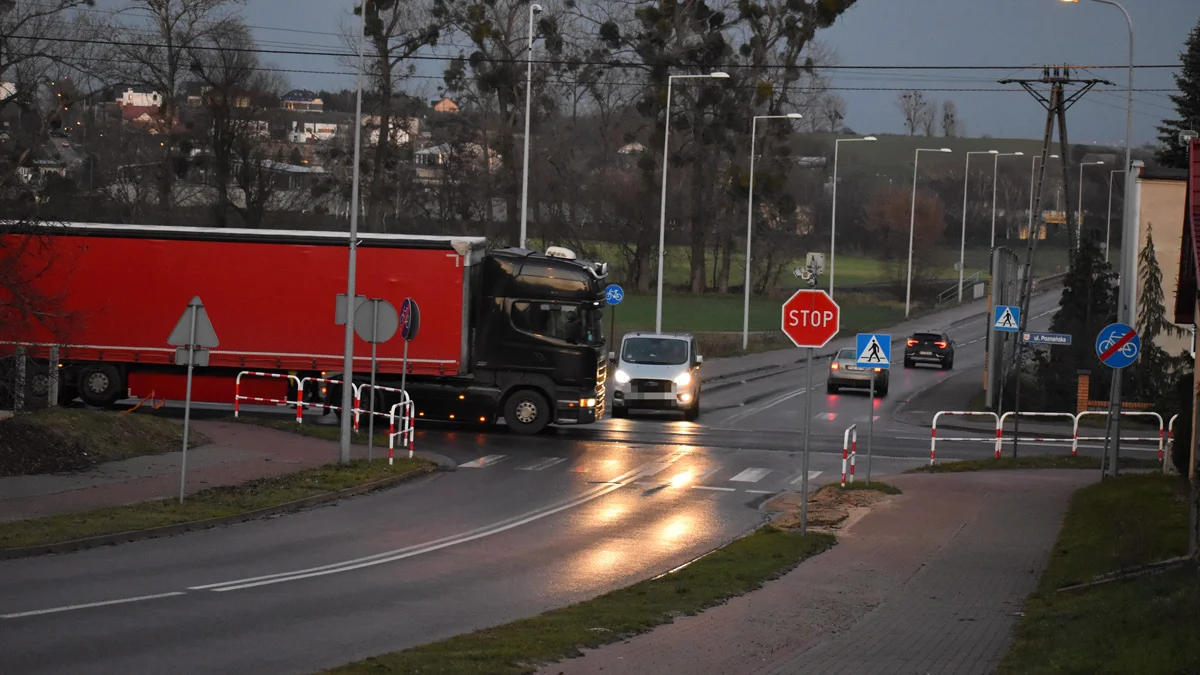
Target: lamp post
point(533, 9)
point(995, 180)
point(1032, 173)
point(348, 357)
point(1079, 208)
point(750, 219)
point(1108, 227)
point(833, 218)
point(662, 213)
point(912, 223)
point(962, 247)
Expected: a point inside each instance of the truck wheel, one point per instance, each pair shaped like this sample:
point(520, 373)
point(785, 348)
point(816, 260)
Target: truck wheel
point(527, 412)
point(100, 386)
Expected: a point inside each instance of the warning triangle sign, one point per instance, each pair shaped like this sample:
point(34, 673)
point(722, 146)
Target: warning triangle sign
point(873, 353)
point(1006, 320)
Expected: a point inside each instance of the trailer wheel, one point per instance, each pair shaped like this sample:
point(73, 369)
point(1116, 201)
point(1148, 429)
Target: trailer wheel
point(99, 386)
point(526, 412)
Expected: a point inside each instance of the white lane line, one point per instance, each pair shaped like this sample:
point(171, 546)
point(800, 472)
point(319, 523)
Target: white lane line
point(750, 476)
point(811, 476)
point(714, 487)
point(428, 547)
point(543, 463)
point(754, 410)
point(71, 608)
point(761, 492)
point(486, 460)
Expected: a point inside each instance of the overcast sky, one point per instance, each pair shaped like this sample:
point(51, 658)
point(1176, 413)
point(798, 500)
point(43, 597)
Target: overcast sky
point(900, 32)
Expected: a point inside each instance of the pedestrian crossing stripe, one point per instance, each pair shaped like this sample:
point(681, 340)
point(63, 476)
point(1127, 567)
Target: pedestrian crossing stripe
point(873, 354)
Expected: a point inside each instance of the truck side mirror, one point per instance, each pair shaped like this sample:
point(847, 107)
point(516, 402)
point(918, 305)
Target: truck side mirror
point(612, 356)
point(699, 359)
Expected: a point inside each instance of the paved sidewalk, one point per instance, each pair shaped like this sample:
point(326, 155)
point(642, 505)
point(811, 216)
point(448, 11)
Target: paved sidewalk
point(238, 453)
point(931, 583)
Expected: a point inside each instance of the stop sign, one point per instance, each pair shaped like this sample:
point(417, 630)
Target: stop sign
point(811, 318)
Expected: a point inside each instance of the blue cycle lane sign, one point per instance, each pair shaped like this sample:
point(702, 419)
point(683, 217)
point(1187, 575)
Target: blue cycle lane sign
point(1118, 345)
point(614, 294)
point(873, 350)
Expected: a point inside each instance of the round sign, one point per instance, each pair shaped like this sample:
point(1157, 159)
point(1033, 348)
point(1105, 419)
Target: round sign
point(811, 318)
point(410, 319)
point(614, 294)
point(1118, 345)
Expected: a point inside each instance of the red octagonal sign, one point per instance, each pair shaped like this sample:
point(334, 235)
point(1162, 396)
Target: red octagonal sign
point(811, 318)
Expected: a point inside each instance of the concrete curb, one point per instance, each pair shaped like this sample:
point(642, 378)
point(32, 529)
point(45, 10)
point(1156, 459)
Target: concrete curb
point(180, 528)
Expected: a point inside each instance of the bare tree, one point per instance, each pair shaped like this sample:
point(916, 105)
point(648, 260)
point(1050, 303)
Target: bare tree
point(951, 125)
point(915, 108)
point(929, 118)
point(156, 52)
point(830, 113)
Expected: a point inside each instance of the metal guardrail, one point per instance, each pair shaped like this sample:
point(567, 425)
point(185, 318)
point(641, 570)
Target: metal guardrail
point(952, 292)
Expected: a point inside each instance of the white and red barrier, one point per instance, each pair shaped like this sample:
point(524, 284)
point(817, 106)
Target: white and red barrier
point(933, 437)
point(237, 390)
point(1170, 443)
point(323, 406)
point(401, 413)
point(849, 451)
point(1074, 440)
point(358, 398)
point(1130, 413)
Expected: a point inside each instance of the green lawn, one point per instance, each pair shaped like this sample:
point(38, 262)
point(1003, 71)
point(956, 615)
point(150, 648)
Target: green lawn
point(1146, 624)
point(714, 313)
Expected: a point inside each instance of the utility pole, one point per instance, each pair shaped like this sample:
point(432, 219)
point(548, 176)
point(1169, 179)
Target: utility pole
point(1056, 105)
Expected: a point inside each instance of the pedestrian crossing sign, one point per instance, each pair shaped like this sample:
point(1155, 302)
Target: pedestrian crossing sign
point(1007, 318)
point(873, 350)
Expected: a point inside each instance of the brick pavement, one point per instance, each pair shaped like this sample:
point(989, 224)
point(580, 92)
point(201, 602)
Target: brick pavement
point(238, 453)
point(929, 583)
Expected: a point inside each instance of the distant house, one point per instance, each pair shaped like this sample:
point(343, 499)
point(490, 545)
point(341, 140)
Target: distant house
point(139, 97)
point(403, 130)
point(7, 90)
point(302, 100)
point(40, 168)
point(314, 127)
point(444, 106)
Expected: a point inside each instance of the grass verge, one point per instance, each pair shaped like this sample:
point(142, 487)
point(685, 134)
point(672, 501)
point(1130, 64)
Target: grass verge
point(519, 646)
point(73, 439)
point(321, 431)
point(217, 502)
point(1032, 462)
point(876, 486)
point(1144, 624)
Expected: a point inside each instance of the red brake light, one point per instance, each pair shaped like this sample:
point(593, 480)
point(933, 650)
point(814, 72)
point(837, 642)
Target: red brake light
point(912, 342)
point(941, 345)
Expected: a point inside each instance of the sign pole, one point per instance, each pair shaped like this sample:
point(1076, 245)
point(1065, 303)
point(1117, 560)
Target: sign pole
point(804, 461)
point(870, 426)
point(404, 369)
point(612, 325)
point(374, 351)
point(187, 403)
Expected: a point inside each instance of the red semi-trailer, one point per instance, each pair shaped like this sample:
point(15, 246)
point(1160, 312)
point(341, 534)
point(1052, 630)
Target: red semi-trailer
point(110, 295)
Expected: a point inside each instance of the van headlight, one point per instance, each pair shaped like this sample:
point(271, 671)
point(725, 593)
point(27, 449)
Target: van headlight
point(622, 377)
point(683, 379)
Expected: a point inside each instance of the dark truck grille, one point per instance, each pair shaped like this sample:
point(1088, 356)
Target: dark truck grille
point(650, 386)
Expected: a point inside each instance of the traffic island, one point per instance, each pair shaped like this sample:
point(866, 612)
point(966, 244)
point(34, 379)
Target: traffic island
point(1116, 596)
point(832, 508)
point(208, 508)
point(520, 646)
point(1032, 462)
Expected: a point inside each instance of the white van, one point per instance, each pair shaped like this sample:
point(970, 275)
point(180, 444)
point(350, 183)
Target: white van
point(657, 371)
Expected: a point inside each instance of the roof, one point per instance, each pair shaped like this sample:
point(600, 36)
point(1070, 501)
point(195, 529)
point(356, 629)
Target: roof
point(650, 333)
point(1189, 249)
point(300, 95)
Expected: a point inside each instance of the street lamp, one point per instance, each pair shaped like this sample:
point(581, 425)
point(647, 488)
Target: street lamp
point(962, 247)
point(1032, 172)
point(995, 180)
point(1108, 227)
point(533, 9)
point(833, 218)
point(912, 223)
point(662, 214)
point(348, 357)
point(1079, 209)
point(750, 218)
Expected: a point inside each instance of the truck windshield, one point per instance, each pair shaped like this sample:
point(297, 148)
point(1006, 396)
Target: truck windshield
point(593, 325)
point(655, 351)
point(560, 321)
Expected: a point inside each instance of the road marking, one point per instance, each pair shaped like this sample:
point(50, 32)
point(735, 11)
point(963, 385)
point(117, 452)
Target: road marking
point(543, 463)
point(811, 476)
point(750, 476)
point(708, 474)
point(761, 492)
point(71, 608)
point(428, 547)
point(754, 410)
point(825, 416)
point(863, 418)
point(486, 460)
point(595, 465)
point(714, 487)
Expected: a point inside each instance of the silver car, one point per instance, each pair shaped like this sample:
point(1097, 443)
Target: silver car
point(843, 372)
point(657, 371)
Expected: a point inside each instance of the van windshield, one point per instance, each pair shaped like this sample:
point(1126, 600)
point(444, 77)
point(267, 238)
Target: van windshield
point(655, 351)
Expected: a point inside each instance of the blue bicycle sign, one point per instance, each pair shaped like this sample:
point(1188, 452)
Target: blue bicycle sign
point(614, 294)
point(1118, 345)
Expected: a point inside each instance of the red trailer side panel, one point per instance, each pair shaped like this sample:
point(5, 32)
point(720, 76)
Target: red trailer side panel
point(271, 302)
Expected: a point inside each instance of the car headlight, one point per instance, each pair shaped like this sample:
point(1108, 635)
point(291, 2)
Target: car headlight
point(683, 379)
point(622, 377)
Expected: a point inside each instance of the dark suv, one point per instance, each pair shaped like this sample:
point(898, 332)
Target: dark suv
point(929, 348)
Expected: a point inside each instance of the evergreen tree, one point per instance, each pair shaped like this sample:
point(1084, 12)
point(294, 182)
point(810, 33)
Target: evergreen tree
point(1154, 376)
point(1187, 105)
